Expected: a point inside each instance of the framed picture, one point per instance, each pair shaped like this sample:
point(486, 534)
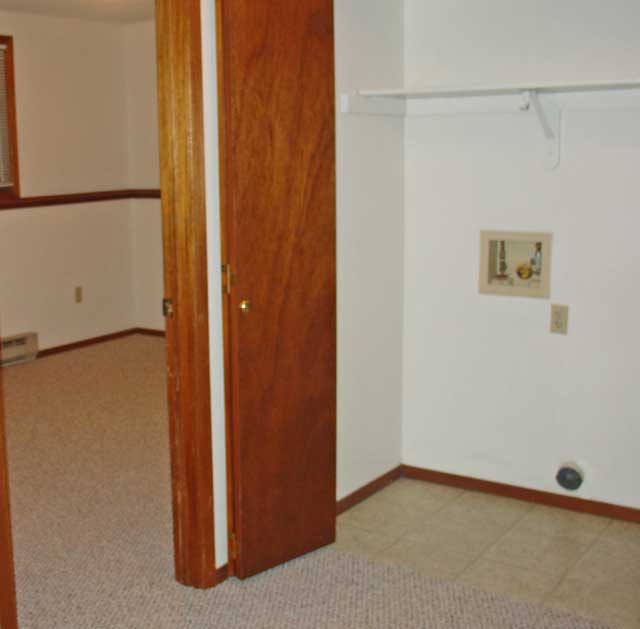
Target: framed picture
point(515, 263)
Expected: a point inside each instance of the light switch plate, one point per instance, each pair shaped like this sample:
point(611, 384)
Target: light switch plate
point(559, 319)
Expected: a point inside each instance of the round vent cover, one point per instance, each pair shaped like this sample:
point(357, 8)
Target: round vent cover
point(570, 477)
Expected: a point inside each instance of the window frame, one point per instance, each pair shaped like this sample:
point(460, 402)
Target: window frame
point(11, 193)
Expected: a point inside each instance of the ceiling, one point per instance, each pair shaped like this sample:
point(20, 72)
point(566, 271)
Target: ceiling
point(103, 10)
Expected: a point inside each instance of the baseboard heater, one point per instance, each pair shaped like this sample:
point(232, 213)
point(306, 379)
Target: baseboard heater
point(20, 348)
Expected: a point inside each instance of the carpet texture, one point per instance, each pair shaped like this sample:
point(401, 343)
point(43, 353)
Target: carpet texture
point(89, 463)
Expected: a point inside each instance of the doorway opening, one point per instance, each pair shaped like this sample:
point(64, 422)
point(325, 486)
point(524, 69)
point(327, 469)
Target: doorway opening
point(187, 350)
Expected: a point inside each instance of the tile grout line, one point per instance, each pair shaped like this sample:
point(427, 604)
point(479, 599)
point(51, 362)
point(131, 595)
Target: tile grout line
point(377, 555)
point(492, 544)
point(395, 540)
point(441, 508)
point(403, 537)
point(575, 563)
point(373, 555)
point(446, 503)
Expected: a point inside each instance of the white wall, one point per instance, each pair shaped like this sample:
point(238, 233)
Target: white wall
point(369, 53)
point(143, 154)
point(45, 253)
point(143, 170)
point(145, 231)
point(461, 42)
point(212, 173)
point(488, 391)
point(86, 101)
point(69, 98)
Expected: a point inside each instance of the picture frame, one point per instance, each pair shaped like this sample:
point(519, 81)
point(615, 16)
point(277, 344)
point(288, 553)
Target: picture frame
point(516, 264)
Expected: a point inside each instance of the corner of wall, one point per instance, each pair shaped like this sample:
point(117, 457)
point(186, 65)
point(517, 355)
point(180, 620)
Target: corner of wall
point(370, 181)
point(406, 10)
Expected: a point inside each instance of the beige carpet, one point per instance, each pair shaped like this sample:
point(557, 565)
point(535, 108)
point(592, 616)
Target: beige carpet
point(88, 452)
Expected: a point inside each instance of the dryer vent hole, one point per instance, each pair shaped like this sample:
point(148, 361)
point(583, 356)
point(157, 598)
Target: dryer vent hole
point(570, 477)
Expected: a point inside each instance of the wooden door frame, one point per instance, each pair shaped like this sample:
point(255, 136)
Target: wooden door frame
point(181, 121)
point(8, 608)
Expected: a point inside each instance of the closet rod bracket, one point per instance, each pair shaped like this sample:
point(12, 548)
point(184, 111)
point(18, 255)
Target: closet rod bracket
point(550, 118)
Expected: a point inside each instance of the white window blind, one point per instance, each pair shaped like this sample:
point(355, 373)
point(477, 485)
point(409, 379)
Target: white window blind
point(6, 176)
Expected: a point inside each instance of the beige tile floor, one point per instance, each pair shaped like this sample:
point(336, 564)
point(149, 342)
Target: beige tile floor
point(583, 563)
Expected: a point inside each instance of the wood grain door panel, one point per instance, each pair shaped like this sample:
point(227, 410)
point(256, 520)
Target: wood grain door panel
point(279, 153)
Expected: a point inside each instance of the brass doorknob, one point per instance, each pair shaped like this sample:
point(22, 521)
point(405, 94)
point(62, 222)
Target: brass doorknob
point(245, 305)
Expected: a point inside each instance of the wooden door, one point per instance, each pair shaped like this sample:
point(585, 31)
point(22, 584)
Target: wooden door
point(8, 617)
point(278, 167)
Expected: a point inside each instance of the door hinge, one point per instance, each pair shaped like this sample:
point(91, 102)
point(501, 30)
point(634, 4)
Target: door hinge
point(227, 279)
point(233, 546)
point(167, 308)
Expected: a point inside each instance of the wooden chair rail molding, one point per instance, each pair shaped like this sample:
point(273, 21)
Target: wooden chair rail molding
point(561, 501)
point(78, 197)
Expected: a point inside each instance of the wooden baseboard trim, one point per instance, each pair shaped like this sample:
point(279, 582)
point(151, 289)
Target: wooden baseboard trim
point(368, 490)
point(86, 343)
point(581, 505)
point(149, 332)
point(139, 193)
point(593, 507)
point(98, 339)
point(78, 197)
